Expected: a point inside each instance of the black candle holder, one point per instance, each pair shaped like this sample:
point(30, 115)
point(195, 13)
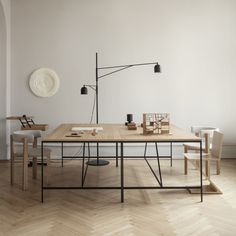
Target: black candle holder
point(129, 118)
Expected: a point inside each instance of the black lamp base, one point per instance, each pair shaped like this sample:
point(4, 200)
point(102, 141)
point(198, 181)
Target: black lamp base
point(100, 162)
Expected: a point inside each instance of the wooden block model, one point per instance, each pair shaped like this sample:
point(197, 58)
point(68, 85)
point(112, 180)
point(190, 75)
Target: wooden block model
point(156, 123)
point(131, 126)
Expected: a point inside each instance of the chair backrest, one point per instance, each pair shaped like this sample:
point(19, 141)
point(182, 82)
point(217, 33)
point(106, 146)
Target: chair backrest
point(20, 137)
point(35, 133)
point(26, 137)
point(217, 143)
point(200, 130)
point(206, 133)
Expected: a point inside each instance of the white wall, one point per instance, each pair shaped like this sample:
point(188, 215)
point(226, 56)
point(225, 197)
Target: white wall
point(194, 41)
point(4, 73)
point(2, 83)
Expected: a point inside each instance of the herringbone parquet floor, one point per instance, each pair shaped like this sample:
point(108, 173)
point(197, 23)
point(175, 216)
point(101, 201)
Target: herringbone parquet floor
point(99, 212)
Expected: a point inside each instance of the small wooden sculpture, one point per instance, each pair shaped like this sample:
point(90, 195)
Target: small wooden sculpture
point(132, 126)
point(156, 123)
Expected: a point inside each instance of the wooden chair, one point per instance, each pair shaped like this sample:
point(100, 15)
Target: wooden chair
point(213, 155)
point(27, 138)
point(206, 133)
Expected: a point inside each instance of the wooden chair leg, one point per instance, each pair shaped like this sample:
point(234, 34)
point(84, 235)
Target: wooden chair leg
point(207, 168)
point(185, 149)
point(25, 166)
point(12, 161)
point(12, 169)
point(197, 164)
point(185, 165)
point(218, 167)
point(47, 170)
point(34, 169)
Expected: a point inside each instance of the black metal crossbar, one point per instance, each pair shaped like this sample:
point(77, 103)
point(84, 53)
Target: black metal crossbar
point(122, 177)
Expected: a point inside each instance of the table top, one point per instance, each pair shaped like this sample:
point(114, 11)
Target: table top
point(116, 133)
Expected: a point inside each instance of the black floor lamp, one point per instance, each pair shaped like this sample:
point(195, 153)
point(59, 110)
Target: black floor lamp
point(84, 91)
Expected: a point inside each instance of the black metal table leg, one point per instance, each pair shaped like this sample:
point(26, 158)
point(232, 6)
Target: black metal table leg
point(201, 171)
point(84, 170)
point(122, 171)
point(171, 153)
point(159, 180)
point(97, 154)
point(62, 154)
point(159, 167)
point(145, 150)
point(116, 154)
point(82, 175)
point(42, 173)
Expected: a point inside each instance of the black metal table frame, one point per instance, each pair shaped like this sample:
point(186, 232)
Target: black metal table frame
point(122, 187)
point(170, 156)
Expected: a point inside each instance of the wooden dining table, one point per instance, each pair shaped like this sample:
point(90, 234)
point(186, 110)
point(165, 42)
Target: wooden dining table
point(118, 134)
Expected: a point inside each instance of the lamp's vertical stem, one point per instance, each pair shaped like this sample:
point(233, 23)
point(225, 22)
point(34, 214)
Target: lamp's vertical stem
point(96, 87)
point(97, 162)
point(97, 104)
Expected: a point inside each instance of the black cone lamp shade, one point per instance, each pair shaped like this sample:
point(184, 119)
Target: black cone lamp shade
point(83, 90)
point(157, 68)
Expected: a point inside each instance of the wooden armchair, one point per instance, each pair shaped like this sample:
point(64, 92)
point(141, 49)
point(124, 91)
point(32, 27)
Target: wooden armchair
point(28, 150)
point(213, 155)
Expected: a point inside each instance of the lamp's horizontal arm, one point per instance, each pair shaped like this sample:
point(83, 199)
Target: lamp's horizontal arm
point(139, 64)
point(125, 67)
point(90, 86)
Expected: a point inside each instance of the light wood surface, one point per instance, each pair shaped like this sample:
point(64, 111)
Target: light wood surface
point(42, 127)
point(99, 213)
point(19, 117)
point(30, 125)
point(118, 133)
